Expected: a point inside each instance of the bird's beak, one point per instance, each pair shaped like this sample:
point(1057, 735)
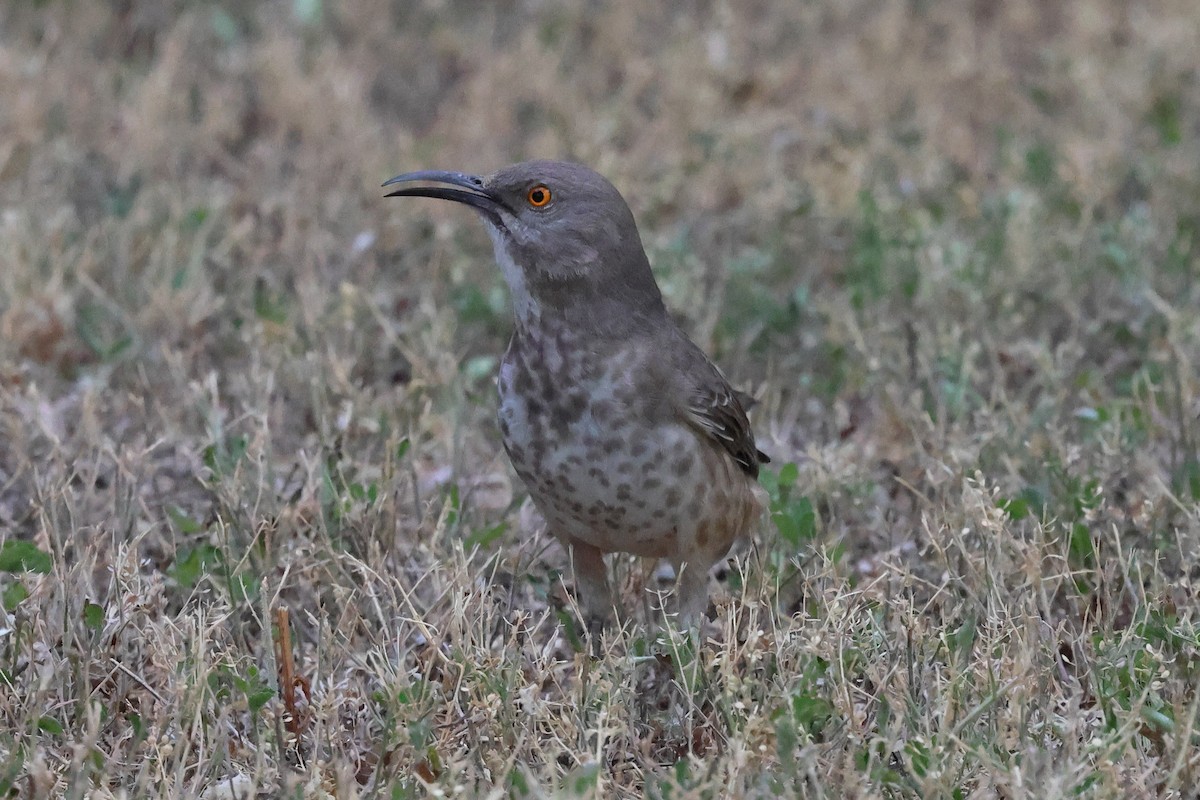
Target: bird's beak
point(471, 189)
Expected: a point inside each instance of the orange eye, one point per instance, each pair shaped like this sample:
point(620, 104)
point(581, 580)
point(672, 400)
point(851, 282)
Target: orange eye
point(539, 196)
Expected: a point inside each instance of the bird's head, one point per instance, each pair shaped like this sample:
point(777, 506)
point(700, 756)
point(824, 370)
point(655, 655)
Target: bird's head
point(562, 233)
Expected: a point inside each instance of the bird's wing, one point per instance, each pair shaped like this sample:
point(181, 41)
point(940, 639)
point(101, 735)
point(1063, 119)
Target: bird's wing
point(717, 409)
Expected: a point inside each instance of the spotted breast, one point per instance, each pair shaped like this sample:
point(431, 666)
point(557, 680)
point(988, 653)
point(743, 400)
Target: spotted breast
point(605, 459)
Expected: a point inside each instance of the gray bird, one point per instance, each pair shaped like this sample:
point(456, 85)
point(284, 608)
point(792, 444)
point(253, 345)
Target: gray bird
point(627, 436)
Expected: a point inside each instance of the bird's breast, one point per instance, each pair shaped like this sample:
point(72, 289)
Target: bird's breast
point(559, 394)
point(599, 462)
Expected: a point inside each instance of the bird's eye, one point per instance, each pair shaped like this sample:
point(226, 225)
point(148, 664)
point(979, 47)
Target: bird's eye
point(539, 196)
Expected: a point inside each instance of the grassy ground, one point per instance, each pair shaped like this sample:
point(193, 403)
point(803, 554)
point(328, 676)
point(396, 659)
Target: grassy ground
point(953, 247)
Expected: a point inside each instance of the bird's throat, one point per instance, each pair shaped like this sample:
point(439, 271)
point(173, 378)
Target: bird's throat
point(526, 308)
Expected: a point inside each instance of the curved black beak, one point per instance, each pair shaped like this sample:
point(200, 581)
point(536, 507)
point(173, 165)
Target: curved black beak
point(471, 189)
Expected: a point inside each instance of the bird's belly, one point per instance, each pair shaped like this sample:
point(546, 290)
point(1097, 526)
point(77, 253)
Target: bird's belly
point(618, 484)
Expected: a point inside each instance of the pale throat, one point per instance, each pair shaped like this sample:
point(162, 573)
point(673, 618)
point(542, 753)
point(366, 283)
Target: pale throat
point(525, 308)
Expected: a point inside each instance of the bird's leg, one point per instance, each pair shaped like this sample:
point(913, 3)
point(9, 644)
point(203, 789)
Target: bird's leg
point(691, 593)
point(591, 585)
point(684, 642)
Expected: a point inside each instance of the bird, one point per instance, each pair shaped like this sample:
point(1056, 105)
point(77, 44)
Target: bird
point(626, 435)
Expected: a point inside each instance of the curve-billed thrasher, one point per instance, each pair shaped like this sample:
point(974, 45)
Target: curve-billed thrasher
point(627, 436)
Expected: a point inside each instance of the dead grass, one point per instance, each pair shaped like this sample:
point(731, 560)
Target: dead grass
point(953, 245)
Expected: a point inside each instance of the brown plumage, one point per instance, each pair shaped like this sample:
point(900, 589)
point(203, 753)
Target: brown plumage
point(628, 437)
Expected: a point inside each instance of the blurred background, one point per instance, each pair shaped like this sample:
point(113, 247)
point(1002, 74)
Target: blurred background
point(838, 198)
point(952, 246)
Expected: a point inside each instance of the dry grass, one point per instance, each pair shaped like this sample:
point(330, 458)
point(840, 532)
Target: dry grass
point(953, 246)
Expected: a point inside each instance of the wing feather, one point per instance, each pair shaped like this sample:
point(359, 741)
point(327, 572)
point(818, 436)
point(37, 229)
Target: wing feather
point(719, 411)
